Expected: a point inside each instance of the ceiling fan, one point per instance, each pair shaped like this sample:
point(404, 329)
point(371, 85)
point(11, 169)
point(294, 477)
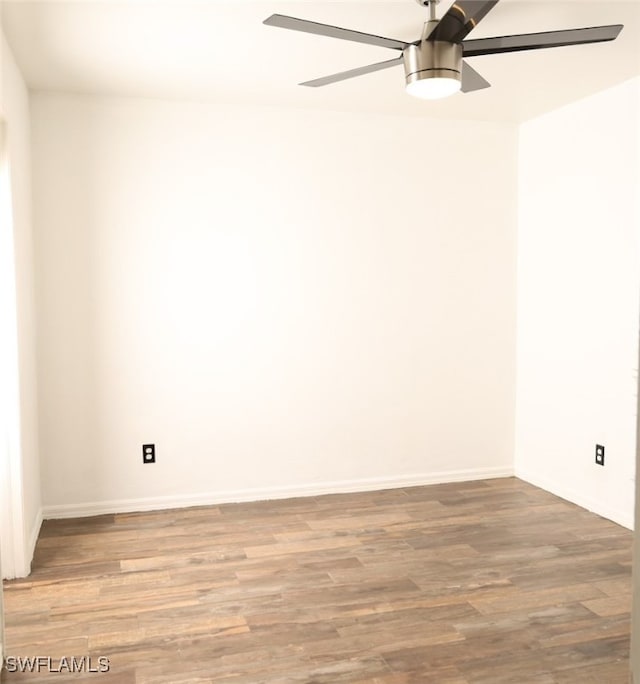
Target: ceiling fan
point(434, 65)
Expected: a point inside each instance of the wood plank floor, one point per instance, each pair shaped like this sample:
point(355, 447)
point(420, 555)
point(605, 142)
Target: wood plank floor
point(480, 582)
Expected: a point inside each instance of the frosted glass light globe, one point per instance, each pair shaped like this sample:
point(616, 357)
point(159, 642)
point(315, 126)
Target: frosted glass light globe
point(433, 88)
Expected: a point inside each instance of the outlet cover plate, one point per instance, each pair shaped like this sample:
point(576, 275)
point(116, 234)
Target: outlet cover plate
point(148, 453)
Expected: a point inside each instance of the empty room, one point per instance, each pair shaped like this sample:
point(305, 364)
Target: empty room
point(319, 341)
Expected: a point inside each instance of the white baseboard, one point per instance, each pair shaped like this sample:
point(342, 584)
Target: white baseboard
point(610, 513)
point(80, 510)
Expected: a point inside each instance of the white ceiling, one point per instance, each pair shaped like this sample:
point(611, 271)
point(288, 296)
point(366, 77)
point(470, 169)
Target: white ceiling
point(221, 52)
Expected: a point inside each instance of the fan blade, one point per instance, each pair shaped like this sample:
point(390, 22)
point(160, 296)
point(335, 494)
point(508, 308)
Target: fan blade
point(344, 75)
point(332, 31)
point(463, 16)
point(537, 41)
point(471, 79)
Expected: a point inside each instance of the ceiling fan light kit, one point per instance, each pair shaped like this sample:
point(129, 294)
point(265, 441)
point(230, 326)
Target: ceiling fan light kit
point(435, 65)
point(433, 69)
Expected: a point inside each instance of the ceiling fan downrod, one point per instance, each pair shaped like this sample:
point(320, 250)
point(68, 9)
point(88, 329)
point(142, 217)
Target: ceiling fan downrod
point(431, 4)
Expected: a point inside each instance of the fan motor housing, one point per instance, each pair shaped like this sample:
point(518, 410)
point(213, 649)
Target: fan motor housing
point(432, 59)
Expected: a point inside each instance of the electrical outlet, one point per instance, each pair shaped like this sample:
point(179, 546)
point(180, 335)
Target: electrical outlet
point(599, 454)
point(148, 453)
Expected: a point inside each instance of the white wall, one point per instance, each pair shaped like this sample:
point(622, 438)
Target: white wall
point(635, 629)
point(284, 302)
point(635, 616)
point(578, 265)
point(21, 459)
